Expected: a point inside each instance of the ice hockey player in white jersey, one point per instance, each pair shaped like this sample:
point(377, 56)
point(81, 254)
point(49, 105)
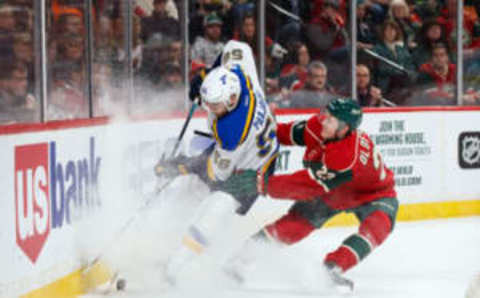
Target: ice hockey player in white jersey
point(244, 131)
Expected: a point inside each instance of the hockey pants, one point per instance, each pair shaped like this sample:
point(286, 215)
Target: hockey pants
point(377, 219)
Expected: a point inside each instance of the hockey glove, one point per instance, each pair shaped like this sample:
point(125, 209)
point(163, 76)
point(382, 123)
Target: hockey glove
point(195, 84)
point(173, 167)
point(246, 183)
point(277, 51)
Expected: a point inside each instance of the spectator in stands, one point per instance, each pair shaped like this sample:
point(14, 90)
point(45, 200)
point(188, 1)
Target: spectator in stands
point(472, 75)
point(366, 33)
point(248, 33)
point(104, 39)
point(160, 22)
point(471, 25)
point(23, 48)
point(368, 95)
point(203, 8)
point(272, 73)
point(240, 8)
point(206, 48)
point(103, 91)
point(68, 100)
point(314, 93)
point(23, 15)
point(427, 9)
point(7, 29)
point(400, 13)
point(157, 55)
point(166, 91)
point(439, 70)
point(7, 19)
point(391, 80)
point(430, 34)
point(70, 22)
point(137, 47)
point(172, 76)
point(378, 10)
point(440, 75)
point(70, 49)
point(318, 6)
point(16, 104)
point(145, 8)
point(60, 7)
point(175, 52)
point(326, 32)
point(295, 71)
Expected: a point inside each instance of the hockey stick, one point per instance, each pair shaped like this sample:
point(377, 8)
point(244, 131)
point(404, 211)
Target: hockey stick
point(385, 60)
point(184, 128)
point(387, 102)
point(150, 198)
point(286, 12)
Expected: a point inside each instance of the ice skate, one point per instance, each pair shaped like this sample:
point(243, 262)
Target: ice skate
point(335, 274)
point(235, 269)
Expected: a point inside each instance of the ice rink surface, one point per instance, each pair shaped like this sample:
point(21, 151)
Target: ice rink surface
point(436, 259)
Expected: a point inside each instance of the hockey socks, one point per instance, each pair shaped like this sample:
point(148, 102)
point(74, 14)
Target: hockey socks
point(373, 230)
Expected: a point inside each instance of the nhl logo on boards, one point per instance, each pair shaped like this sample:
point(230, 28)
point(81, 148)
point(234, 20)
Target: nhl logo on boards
point(469, 150)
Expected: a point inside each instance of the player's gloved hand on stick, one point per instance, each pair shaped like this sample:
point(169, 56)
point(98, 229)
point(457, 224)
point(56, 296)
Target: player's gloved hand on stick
point(195, 84)
point(246, 183)
point(172, 167)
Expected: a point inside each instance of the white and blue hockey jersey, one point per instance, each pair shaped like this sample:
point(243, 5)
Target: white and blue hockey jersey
point(245, 137)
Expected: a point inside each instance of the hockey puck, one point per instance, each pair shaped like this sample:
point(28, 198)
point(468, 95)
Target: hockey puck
point(121, 284)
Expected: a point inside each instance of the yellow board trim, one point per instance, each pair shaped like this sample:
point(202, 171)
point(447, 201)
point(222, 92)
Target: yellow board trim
point(419, 211)
point(81, 282)
point(75, 284)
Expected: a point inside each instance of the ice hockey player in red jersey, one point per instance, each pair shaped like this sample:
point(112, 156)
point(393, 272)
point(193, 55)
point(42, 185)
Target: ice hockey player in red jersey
point(343, 172)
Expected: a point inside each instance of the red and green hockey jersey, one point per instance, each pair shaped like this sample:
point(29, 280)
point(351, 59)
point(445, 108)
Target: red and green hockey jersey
point(343, 173)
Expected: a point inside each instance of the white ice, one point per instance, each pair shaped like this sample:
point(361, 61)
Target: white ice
point(436, 258)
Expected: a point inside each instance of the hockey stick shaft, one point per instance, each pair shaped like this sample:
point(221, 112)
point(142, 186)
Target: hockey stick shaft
point(149, 200)
point(387, 61)
point(184, 128)
point(128, 223)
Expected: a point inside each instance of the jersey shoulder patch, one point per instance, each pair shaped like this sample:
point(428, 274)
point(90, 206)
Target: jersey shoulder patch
point(342, 155)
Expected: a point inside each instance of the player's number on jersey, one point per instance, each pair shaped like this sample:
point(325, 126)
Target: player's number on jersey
point(378, 163)
point(235, 54)
point(265, 138)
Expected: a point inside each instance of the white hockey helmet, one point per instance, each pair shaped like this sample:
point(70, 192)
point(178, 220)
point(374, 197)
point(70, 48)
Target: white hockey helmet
point(218, 87)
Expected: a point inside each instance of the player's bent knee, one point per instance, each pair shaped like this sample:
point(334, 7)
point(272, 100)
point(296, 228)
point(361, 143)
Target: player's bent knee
point(213, 212)
point(376, 227)
point(290, 229)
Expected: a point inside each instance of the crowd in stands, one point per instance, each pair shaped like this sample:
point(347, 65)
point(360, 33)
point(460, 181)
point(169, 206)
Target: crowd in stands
point(406, 52)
